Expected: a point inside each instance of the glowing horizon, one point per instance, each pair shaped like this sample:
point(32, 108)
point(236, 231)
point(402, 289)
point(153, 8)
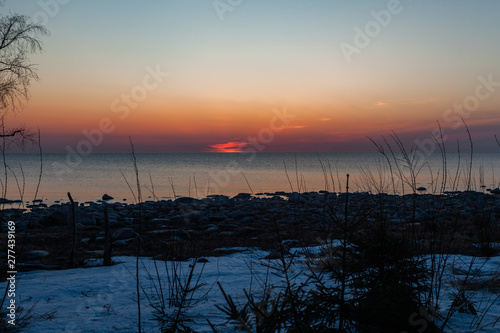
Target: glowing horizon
point(177, 78)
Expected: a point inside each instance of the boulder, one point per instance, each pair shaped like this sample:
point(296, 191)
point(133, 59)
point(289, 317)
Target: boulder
point(194, 217)
point(186, 200)
point(124, 233)
point(243, 196)
point(230, 250)
point(106, 197)
point(181, 233)
point(37, 254)
point(122, 243)
point(56, 217)
point(237, 214)
point(246, 220)
point(211, 228)
point(218, 217)
point(86, 219)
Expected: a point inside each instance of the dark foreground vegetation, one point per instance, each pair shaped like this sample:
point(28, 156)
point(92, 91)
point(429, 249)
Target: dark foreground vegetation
point(377, 248)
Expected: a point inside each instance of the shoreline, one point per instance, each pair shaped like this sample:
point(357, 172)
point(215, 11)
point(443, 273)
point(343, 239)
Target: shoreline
point(195, 228)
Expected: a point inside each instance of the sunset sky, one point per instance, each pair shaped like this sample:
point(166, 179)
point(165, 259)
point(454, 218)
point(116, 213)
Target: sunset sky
point(340, 70)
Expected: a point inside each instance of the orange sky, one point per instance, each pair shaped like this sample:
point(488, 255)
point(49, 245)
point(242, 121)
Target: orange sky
point(225, 77)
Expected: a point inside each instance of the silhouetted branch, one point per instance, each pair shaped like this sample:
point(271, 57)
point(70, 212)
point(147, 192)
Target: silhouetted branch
point(13, 133)
point(19, 38)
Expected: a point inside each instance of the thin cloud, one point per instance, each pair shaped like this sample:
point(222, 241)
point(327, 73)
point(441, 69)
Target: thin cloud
point(406, 102)
point(380, 103)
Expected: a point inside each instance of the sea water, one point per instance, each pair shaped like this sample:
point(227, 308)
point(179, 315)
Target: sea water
point(163, 175)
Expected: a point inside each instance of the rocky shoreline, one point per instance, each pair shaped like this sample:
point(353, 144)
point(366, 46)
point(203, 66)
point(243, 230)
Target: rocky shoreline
point(216, 225)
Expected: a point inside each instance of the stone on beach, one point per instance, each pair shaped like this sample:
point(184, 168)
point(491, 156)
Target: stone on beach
point(124, 233)
point(106, 197)
point(37, 254)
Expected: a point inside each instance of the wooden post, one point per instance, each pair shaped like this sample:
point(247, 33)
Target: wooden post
point(107, 240)
point(73, 249)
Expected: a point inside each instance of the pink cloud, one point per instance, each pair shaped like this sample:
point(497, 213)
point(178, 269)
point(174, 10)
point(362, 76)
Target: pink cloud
point(228, 147)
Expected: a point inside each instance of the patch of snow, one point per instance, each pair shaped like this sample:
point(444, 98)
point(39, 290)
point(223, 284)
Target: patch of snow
point(103, 299)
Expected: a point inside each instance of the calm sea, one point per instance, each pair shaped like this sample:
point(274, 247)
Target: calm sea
point(197, 175)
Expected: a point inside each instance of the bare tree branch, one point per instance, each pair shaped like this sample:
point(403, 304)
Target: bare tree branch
point(18, 39)
point(11, 134)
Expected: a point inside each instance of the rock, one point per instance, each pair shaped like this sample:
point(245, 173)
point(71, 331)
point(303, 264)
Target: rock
point(37, 254)
point(160, 220)
point(96, 253)
point(123, 233)
point(91, 228)
point(86, 219)
point(7, 201)
point(175, 235)
point(186, 200)
point(287, 220)
point(121, 243)
point(106, 197)
point(22, 225)
point(37, 266)
point(194, 217)
point(217, 217)
point(237, 214)
point(243, 196)
point(62, 215)
point(160, 257)
point(176, 239)
point(195, 233)
point(182, 234)
point(246, 220)
point(296, 198)
point(246, 231)
point(291, 243)
point(177, 219)
point(421, 189)
point(229, 250)
point(273, 254)
point(114, 223)
point(56, 217)
point(211, 228)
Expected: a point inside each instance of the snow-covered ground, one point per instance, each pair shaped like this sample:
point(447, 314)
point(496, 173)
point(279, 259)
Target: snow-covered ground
point(103, 299)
